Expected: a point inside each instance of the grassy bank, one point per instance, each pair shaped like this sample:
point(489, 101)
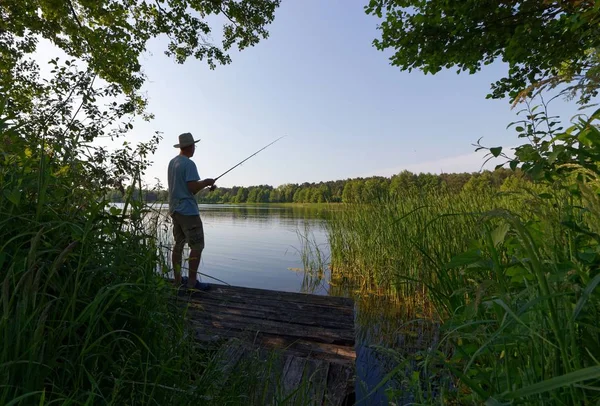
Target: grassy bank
point(511, 277)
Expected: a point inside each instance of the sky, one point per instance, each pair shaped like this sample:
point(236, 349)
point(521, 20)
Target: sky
point(345, 110)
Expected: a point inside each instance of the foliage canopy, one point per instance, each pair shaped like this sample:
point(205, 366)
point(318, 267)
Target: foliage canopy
point(110, 35)
point(545, 43)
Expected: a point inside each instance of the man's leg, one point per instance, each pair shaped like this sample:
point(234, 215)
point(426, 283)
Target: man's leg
point(194, 262)
point(195, 236)
point(177, 254)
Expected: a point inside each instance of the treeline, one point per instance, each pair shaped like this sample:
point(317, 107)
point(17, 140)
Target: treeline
point(357, 190)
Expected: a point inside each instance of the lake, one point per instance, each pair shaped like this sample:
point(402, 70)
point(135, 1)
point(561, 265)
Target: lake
point(262, 246)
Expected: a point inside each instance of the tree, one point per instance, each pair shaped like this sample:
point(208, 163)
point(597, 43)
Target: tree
point(479, 183)
point(287, 192)
point(374, 190)
point(403, 183)
point(110, 35)
point(252, 195)
point(241, 196)
point(545, 43)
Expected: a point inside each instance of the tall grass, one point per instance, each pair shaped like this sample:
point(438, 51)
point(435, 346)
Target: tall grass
point(315, 258)
point(512, 282)
point(396, 243)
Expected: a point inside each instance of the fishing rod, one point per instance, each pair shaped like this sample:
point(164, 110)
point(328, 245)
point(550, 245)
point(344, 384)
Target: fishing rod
point(235, 166)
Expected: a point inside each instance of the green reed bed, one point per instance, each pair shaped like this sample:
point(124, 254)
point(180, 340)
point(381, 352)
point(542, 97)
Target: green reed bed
point(423, 229)
point(512, 277)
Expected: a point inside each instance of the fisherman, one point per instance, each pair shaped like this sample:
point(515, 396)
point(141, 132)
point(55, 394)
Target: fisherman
point(184, 183)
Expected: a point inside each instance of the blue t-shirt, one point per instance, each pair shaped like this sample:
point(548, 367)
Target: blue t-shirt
point(182, 170)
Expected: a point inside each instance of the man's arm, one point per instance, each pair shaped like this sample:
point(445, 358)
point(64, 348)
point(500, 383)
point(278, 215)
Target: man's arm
point(197, 185)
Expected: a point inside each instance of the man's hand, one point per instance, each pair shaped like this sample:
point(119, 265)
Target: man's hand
point(196, 186)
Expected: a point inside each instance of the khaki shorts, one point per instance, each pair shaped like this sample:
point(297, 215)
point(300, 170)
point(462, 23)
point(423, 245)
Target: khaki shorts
point(188, 229)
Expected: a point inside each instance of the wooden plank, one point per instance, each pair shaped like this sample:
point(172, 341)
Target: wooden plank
point(235, 322)
point(316, 371)
point(201, 297)
point(302, 348)
point(295, 318)
point(275, 361)
point(310, 349)
point(323, 319)
point(230, 355)
point(339, 384)
point(279, 295)
point(266, 300)
point(292, 376)
point(331, 335)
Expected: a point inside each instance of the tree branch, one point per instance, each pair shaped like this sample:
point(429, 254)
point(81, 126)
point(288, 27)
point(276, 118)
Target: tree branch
point(74, 13)
point(228, 16)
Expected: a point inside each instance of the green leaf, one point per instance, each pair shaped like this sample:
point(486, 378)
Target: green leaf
point(499, 233)
point(585, 296)
point(517, 273)
point(13, 196)
point(553, 156)
point(590, 137)
point(466, 258)
point(115, 211)
point(537, 170)
point(548, 385)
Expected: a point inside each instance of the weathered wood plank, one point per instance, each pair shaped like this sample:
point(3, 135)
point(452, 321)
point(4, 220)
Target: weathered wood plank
point(268, 302)
point(293, 372)
point(310, 349)
point(316, 371)
point(229, 321)
point(339, 384)
point(230, 356)
point(279, 295)
point(291, 315)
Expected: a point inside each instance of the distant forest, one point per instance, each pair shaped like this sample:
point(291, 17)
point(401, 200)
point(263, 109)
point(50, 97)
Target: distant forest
point(357, 190)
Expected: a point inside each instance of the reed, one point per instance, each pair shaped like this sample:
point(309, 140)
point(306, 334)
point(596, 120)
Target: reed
point(511, 277)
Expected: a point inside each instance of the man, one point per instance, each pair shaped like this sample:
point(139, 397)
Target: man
point(184, 183)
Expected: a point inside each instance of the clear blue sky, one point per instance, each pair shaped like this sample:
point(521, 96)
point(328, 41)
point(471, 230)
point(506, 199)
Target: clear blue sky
point(346, 111)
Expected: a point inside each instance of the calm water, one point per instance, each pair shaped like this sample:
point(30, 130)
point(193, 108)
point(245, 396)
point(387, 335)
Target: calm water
point(261, 247)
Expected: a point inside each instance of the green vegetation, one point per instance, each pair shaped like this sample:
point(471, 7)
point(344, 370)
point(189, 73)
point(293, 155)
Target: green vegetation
point(86, 315)
point(90, 31)
point(545, 43)
point(509, 275)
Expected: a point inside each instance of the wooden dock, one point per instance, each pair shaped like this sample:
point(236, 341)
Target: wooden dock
point(314, 334)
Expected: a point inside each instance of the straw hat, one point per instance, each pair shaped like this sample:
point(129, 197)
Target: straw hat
point(185, 140)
